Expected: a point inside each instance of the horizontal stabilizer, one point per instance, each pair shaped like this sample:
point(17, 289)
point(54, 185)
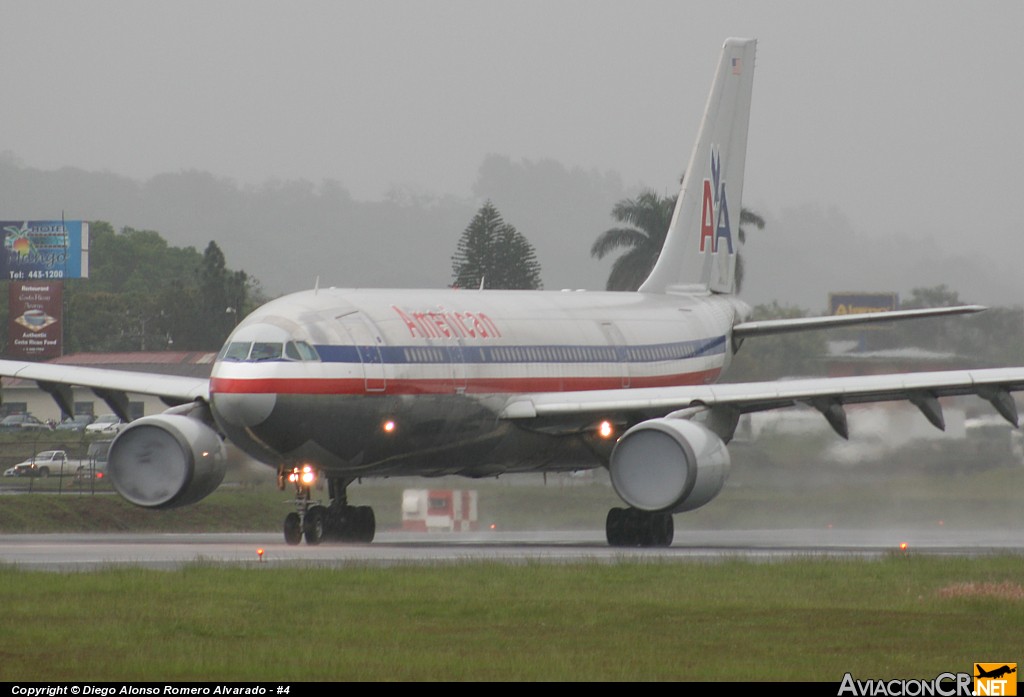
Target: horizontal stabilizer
point(800, 324)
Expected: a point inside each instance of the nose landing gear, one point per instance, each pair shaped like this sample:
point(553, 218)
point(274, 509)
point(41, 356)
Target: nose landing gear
point(336, 522)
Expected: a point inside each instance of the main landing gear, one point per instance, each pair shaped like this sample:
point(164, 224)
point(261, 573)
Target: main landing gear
point(337, 521)
point(631, 527)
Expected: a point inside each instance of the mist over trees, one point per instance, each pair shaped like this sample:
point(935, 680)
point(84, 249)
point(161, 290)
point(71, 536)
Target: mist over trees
point(289, 233)
point(994, 337)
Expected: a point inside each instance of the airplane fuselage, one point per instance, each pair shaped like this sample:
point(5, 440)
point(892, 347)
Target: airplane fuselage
point(374, 382)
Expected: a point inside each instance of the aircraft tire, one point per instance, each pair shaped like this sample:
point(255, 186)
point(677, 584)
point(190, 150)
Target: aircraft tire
point(662, 530)
point(292, 529)
point(336, 523)
point(366, 524)
point(635, 529)
point(615, 527)
point(629, 527)
point(313, 525)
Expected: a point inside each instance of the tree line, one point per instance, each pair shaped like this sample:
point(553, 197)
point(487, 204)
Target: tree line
point(144, 295)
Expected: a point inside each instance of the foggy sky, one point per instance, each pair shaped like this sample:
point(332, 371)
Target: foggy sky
point(902, 118)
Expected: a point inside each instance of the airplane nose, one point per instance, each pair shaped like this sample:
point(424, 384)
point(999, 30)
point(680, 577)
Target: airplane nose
point(244, 410)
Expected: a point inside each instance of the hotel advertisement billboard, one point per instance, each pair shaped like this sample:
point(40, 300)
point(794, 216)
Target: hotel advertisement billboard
point(44, 250)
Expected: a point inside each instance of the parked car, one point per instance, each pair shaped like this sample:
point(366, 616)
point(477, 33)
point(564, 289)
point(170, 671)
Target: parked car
point(107, 423)
point(76, 424)
point(20, 423)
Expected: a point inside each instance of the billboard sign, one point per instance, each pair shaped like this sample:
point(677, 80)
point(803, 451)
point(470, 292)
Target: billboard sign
point(862, 303)
point(44, 250)
point(34, 325)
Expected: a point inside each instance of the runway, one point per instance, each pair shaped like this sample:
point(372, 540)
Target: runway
point(83, 552)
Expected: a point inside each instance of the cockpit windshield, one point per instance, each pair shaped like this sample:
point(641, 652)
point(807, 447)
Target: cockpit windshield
point(265, 351)
point(255, 351)
point(235, 351)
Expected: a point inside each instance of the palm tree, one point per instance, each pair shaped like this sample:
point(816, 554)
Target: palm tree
point(747, 217)
point(648, 216)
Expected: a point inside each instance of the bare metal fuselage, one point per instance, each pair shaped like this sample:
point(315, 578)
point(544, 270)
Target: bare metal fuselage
point(412, 382)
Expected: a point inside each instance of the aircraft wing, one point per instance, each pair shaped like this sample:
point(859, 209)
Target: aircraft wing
point(173, 389)
point(828, 395)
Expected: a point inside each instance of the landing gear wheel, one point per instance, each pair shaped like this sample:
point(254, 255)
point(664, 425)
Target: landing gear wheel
point(313, 525)
point(658, 530)
point(629, 527)
point(615, 527)
point(365, 524)
point(334, 524)
point(292, 529)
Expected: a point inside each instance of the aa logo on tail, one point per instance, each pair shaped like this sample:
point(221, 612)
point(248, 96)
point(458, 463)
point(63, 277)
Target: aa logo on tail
point(714, 210)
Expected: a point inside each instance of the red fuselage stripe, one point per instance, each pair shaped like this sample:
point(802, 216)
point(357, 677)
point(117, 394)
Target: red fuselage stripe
point(350, 386)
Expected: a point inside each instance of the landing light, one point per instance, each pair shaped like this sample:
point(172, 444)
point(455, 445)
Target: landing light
point(389, 426)
point(903, 546)
point(305, 475)
point(605, 429)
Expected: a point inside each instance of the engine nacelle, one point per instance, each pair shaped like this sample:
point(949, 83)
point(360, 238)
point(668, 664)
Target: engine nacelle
point(669, 465)
point(166, 461)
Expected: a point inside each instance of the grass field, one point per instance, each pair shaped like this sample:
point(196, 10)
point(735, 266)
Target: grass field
point(795, 620)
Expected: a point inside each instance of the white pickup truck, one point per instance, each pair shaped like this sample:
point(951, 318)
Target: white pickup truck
point(44, 464)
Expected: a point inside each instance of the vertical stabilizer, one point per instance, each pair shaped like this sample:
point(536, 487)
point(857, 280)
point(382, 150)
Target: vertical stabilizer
point(702, 243)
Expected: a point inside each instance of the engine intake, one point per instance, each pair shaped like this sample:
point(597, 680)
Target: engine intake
point(669, 465)
point(166, 461)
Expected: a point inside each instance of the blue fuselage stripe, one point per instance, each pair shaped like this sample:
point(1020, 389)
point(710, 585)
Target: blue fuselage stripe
point(647, 353)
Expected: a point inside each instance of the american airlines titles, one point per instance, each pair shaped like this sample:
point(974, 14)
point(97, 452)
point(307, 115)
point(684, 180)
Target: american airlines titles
point(445, 324)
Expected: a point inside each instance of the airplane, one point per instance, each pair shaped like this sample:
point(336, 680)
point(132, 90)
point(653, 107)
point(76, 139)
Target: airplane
point(339, 384)
point(994, 673)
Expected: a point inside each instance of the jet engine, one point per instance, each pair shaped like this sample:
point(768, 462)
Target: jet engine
point(669, 465)
point(166, 461)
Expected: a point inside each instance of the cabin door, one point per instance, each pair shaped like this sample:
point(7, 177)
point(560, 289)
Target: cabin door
point(367, 340)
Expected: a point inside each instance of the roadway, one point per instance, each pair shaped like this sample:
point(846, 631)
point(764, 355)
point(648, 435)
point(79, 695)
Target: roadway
point(81, 552)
